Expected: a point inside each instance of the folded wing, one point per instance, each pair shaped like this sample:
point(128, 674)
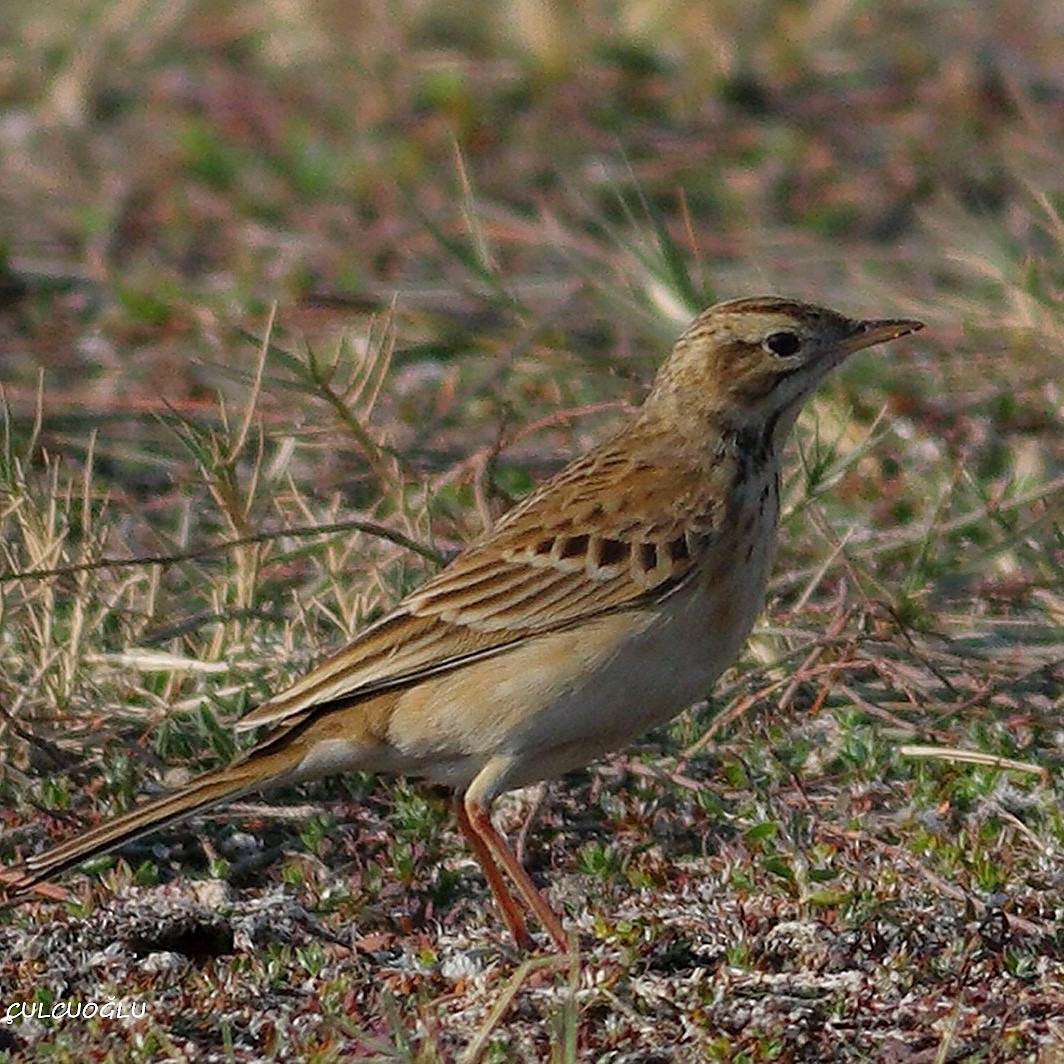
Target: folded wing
point(608, 533)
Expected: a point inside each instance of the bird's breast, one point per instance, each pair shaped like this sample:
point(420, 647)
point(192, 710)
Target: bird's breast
point(729, 585)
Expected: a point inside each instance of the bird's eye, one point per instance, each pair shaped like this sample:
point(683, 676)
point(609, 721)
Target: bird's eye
point(783, 344)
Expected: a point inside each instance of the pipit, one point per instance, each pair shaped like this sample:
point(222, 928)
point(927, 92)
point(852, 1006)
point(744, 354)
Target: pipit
point(603, 604)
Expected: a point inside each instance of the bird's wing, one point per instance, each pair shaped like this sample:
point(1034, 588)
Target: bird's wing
point(611, 531)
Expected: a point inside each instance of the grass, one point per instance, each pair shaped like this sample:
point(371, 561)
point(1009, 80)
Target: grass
point(293, 303)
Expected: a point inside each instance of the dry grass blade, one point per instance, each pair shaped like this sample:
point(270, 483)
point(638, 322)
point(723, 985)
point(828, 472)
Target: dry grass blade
point(974, 757)
point(525, 971)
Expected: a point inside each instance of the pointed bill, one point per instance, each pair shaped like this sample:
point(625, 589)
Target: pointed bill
point(877, 331)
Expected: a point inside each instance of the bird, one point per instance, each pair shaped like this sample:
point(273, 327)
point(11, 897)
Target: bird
point(600, 606)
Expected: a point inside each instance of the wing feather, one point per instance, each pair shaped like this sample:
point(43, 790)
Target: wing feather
point(607, 533)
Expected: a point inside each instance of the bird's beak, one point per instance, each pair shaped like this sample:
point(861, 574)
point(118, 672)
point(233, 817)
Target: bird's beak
point(873, 331)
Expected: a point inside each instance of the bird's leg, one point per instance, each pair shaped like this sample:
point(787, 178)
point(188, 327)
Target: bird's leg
point(491, 851)
point(511, 910)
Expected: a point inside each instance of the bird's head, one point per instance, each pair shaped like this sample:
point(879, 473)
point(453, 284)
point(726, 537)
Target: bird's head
point(751, 363)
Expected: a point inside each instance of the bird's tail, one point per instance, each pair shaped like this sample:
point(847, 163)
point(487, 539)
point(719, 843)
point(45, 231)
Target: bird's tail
point(202, 792)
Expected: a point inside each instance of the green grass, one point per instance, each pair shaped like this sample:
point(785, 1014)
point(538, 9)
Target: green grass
point(294, 302)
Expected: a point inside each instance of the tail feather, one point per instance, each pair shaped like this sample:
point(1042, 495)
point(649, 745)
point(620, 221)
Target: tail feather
point(201, 793)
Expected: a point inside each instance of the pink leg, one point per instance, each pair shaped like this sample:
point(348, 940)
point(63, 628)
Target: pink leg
point(511, 911)
point(491, 851)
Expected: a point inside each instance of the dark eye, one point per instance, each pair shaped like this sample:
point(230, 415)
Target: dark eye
point(783, 344)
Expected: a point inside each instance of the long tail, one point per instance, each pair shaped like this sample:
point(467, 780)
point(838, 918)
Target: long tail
point(204, 791)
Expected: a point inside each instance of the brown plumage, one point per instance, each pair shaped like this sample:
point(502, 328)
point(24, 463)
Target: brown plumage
point(604, 603)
